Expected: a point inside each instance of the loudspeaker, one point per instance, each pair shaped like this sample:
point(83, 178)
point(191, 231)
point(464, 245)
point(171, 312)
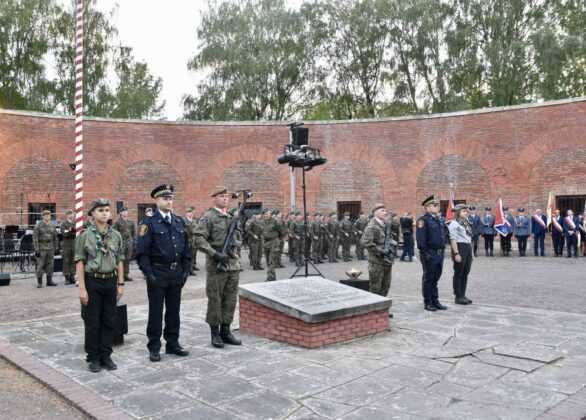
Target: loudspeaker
point(359, 284)
point(119, 205)
point(300, 135)
point(4, 279)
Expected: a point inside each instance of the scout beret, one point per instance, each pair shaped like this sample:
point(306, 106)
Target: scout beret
point(219, 190)
point(430, 200)
point(378, 206)
point(190, 208)
point(459, 207)
point(163, 190)
point(275, 212)
point(97, 202)
point(68, 211)
point(488, 208)
point(521, 209)
point(45, 212)
point(332, 213)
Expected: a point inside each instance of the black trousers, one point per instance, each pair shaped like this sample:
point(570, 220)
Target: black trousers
point(572, 243)
point(433, 264)
point(475, 242)
point(522, 241)
point(558, 244)
point(167, 294)
point(99, 316)
point(462, 269)
point(539, 243)
point(489, 243)
point(506, 241)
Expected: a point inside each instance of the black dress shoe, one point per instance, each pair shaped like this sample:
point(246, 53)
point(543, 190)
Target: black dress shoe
point(469, 300)
point(154, 356)
point(259, 267)
point(195, 269)
point(94, 366)
point(108, 364)
point(440, 306)
point(431, 308)
point(177, 351)
point(461, 301)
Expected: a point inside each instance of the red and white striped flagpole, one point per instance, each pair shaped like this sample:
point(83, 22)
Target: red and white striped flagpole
point(78, 116)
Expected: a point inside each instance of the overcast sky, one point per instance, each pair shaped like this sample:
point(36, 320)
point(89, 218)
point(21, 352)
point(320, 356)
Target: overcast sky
point(164, 34)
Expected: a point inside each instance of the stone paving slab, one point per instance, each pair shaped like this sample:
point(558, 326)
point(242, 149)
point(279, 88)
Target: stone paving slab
point(467, 362)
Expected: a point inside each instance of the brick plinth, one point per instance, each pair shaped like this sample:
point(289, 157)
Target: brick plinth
point(259, 320)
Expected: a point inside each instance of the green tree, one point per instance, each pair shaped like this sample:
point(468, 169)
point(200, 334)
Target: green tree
point(257, 58)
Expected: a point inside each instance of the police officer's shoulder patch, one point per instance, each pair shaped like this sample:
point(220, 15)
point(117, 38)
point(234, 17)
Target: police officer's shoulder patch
point(420, 223)
point(142, 229)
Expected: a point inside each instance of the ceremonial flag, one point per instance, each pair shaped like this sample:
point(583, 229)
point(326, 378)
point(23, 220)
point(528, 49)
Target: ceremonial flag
point(449, 213)
point(499, 220)
point(550, 208)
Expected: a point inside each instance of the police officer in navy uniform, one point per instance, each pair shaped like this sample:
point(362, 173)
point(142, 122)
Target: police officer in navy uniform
point(487, 231)
point(163, 256)
point(474, 222)
point(431, 233)
point(521, 230)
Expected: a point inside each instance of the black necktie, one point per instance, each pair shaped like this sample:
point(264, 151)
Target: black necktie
point(167, 219)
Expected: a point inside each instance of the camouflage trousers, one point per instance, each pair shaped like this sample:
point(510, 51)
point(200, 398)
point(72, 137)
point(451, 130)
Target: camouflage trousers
point(316, 249)
point(359, 247)
point(332, 246)
point(379, 278)
point(45, 262)
point(68, 255)
point(222, 293)
point(255, 252)
point(281, 248)
point(324, 247)
point(291, 251)
point(128, 248)
point(272, 252)
point(193, 253)
point(345, 240)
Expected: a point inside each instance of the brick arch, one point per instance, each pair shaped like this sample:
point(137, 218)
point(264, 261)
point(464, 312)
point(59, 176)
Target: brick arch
point(465, 148)
point(48, 149)
point(130, 185)
point(470, 181)
point(372, 157)
point(155, 153)
point(251, 153)
point(561, 171)
point(528, 158)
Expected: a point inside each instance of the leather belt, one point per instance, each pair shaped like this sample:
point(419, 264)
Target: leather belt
point(102, 275)
point(171, 266)
point(436, 251)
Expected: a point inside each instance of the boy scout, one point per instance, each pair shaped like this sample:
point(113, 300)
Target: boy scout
point(221, 286)
point(45, 244)
point(99, 253)
point(68, 247)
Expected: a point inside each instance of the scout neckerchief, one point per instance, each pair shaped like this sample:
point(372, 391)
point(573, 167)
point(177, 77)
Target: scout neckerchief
point(102, 240)
point(465, 224)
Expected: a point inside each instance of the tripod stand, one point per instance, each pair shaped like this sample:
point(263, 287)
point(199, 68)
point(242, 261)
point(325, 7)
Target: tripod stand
point(306, 261)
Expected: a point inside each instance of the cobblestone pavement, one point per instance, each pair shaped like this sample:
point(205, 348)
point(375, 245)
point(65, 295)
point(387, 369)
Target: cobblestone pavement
point(506, 356)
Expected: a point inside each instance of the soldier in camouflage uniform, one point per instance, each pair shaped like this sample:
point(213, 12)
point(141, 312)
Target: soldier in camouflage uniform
point(283, 238)
point(315, 230)
point(126, 228)
point(346, 236)
point(295, 238)
point(291, 241)
point(221, 286)
point(45, 244)
point(190, 225)
point(273, 231)
point(68, 247)
point(333, 236)
point(380, 260)
point(324, 245)
point(358, 230)
point(254, 230)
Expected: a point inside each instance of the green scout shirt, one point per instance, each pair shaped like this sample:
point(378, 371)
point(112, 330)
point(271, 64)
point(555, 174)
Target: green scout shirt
point(210, 234)
point(100, 253)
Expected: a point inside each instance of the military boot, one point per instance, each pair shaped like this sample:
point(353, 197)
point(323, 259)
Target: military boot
point(127, 278)
point(216, 339)
point(227, 336)
point(50, 281)
point(39, 282)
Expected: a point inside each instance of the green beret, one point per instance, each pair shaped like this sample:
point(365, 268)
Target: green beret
point(219, 190)
point(123, 209)
point(307, 214)
point(264, 211)
point(346, 213)
point(275, 212)
point(69, 211)
point(44, 212)
point(459, 207)
point(378, 206)
point(317, 213)
point(333, 213)
point(97, 202)
point(190, 208)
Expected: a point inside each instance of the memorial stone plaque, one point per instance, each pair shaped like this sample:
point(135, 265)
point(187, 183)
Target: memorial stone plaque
point(314, 299)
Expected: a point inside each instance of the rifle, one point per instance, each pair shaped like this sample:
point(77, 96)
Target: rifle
point(229, 241)
point(388, 243)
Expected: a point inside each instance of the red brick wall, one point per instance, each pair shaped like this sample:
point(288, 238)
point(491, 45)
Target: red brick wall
point(259, 320)
point(520, 152)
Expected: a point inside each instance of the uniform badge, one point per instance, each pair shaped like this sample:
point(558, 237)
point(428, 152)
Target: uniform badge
point(142, 229)
point(420, 223)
